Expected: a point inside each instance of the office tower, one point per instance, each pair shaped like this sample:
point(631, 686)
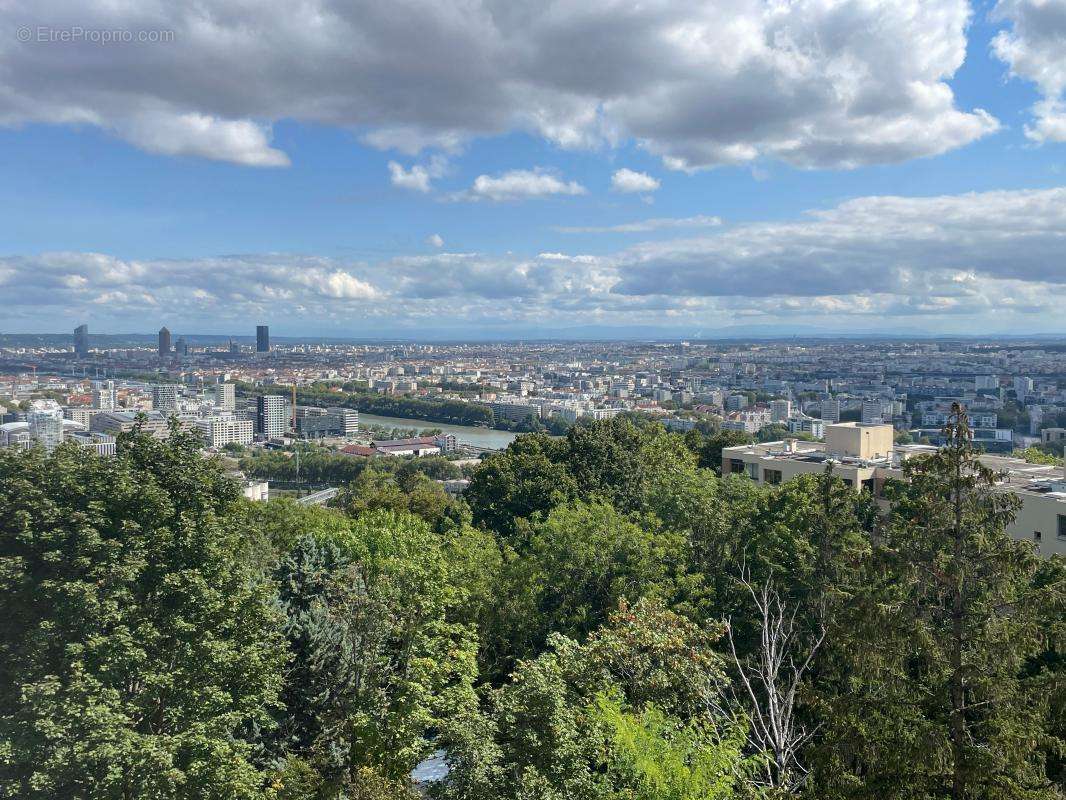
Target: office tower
point(262, 339)
point(46, 423)
point(831, 411)
point(780, 410)
point(986, 382)
point(81, 341)
point(181, 348)
point(165, 397)
point(271, 416)
point(225, 399)
point(233, 346)
point(104, 395)
point(164, 342)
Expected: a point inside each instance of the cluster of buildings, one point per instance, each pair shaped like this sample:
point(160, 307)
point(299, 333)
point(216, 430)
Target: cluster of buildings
point(1014, 391)
point(865, 455)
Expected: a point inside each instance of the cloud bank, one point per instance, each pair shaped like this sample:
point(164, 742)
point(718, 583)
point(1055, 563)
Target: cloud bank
point(996, 256)
point(816, 83)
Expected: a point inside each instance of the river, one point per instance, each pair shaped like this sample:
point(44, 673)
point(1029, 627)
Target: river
point(480, 437)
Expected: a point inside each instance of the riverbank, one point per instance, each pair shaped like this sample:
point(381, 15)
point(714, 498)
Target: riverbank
point(480, 437)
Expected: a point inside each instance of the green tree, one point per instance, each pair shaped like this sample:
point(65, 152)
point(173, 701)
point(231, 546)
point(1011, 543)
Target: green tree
point(710, 452)
point(569, 571)
point(378, 659)
point(529, 476)
point(940, 706)
point(138, 655)
point(628, 714)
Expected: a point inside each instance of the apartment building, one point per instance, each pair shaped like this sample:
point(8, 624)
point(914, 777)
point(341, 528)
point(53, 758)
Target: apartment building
point(222, 430)
point(864, 457)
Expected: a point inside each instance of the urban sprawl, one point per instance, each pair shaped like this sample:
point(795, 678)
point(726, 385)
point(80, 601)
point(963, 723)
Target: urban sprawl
point(859, 407)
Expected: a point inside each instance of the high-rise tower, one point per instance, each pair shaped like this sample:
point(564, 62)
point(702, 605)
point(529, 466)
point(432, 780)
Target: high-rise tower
point(81, 341)
point(164, 342)
point(262, 338)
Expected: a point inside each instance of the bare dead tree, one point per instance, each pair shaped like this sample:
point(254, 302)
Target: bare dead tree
point(772, 676)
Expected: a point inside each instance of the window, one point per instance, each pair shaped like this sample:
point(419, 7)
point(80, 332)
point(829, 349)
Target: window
point(771, 476)
point(1037, 536)
point(849, 482)
point(736, 465)
point(1062, 526)
point(753, 471)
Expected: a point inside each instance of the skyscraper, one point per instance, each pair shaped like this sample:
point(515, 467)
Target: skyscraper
point(81, 341)
point(271, 419)
point(164, 342)
point(262, 338)
point(181, 347)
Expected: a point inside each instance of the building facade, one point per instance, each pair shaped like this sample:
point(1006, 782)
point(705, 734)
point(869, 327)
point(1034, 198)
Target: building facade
point(864, 457)
point(271, 416)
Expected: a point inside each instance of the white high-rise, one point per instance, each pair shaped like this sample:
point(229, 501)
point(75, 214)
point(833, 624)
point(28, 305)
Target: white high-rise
point(46, 423)
point(225, 398)
point(271, 418)
point(104, 396)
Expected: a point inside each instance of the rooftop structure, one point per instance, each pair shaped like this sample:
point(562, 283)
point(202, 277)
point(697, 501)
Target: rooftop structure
point(865, 457)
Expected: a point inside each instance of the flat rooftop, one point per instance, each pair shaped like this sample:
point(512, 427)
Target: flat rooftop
point(1016, 474)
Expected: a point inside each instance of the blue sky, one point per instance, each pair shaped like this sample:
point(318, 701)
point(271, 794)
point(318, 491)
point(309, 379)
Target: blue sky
point(121, 212)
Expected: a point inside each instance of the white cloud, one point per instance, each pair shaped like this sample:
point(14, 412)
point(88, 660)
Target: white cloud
point(416, 178)
point(626, 180)
point(902, 246)
point(435, 240)
point(1035, 49)
point(647, 225)
point(817, 83)
point(520, 184)
point(194, 134)
point(984, 259)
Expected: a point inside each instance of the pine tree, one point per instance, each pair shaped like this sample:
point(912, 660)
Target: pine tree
point(940, 705)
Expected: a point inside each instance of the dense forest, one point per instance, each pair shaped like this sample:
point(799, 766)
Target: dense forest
point(601, 616)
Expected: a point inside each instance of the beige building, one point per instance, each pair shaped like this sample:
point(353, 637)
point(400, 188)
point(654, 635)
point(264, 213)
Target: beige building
point(864, 456)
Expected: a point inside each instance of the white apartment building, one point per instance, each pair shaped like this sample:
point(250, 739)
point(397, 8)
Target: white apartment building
point(222, 430)
point(102, 443)
point(225, 397)
point(864, 457)
point(45, 418)
point(271, 416)
point(104, 396)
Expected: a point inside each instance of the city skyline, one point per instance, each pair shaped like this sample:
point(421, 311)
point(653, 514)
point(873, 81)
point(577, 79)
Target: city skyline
point(883, 168)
